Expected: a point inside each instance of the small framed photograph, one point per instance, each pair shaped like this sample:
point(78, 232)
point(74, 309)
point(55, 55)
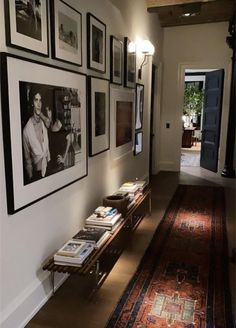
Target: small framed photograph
point(138, 143)
point(44, 131)
point(139, 106)
point(116, 60)
point(129, 63)
point(66, 33)
point(96, 44)
point(99, 124)
point(122, 121)
point(27, 25)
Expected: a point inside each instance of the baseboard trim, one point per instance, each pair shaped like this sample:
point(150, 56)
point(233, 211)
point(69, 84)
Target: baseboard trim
point(23, 309)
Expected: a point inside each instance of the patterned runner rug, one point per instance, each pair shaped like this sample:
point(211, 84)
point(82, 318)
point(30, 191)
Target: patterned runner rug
point(182, 280)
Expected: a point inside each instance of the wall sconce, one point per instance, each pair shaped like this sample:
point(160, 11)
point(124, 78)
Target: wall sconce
point(146, 48)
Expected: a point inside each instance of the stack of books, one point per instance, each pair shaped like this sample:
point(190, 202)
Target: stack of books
point(104, 217)
point(134, 190)
point(93, 235)
point(73, 253)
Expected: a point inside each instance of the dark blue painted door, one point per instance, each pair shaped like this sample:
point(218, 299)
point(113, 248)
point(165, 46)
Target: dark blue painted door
point(211, 120)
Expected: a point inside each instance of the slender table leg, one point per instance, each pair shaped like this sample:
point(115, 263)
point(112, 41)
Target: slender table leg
point(52, 282)
point(150, 203)
point(97, 272)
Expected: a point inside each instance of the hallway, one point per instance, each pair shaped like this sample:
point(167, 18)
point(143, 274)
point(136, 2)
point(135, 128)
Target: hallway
point(70, 307)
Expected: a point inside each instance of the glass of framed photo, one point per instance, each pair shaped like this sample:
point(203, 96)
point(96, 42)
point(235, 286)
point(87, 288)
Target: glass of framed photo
point(44, 131)
point(96, 44)
point(122, 121)
point(139, 106)
point(27, 25)
point(116, 58)
point(99, 125)
point(138, 142)
point(66, 33)
point(129, 63)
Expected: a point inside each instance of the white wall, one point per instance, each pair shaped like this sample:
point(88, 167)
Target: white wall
point(190, 47)
point(28, 237)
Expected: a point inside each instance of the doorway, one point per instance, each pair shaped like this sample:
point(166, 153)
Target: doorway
point(194, 86)
point(202, 119)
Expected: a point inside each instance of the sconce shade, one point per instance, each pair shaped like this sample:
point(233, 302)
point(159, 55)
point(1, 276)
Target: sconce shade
point(146, 47)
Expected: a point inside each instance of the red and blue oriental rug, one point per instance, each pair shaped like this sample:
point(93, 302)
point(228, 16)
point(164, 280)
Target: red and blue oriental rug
point(182, 280)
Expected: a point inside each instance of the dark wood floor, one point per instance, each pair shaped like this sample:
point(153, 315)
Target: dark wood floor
point(71, 307)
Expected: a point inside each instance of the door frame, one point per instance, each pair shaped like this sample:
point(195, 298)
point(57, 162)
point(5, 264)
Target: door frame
point(205, 66)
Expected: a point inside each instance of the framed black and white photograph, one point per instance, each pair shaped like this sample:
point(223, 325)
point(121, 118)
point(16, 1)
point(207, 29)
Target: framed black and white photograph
point(96, 44)
point(44, 129)
point(129, 63)
point(116, 60)
point(122, 121)
point(138, 142)
point(66, 32)
point(139, 106)
point(27, 25)
point(99, 106)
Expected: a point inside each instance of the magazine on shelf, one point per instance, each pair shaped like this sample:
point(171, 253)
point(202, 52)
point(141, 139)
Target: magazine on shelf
point(111, 229)
point(71, 248)
point(94, 235)
point(78, 258)
point(103, 221)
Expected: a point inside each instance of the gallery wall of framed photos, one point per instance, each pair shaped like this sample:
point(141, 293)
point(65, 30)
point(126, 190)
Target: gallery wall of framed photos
point(27, 28)
point(84, 141)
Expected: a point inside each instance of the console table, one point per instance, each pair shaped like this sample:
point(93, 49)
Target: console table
point(187, 138)
point(101, 260)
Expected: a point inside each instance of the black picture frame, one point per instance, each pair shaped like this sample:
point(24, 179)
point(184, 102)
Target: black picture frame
point(27, 27)
point(138, 143)
point(60, 156)
point(129, 64)
point(96, 44)
point(66, 33)
point(99, 115)
point(116, 60)
point(139, 106)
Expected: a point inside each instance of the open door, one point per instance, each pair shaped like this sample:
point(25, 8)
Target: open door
point(211, 120)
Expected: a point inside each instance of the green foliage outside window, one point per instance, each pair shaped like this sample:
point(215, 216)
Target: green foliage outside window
point(193, 98)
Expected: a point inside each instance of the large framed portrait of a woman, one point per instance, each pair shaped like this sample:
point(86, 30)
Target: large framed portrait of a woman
point(27, 25)
point(44, 129)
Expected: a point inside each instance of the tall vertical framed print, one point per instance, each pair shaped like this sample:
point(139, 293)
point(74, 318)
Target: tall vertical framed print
point(27, 25)
point(139, 106)
point(44, 130)
point(116, 60)
point(66, 32)
point(96, 44)
point(99, 106)
point(129, 63)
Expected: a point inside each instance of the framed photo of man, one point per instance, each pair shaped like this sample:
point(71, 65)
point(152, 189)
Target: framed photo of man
point(44, 129)
point(96, 44)
point(116, 60)
point(99, 106)
point(27, 25)
point(66, 33)
point(129, 63)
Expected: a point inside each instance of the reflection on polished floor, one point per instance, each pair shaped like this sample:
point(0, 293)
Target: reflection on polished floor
point(71, 308)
